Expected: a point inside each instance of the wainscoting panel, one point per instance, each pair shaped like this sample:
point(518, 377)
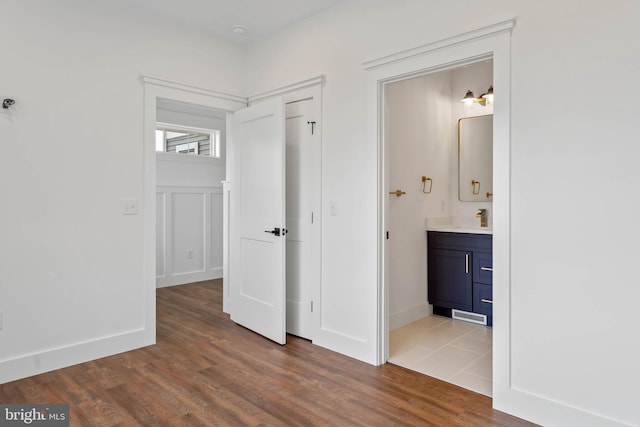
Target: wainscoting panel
point(188, 232)
point(189, 235)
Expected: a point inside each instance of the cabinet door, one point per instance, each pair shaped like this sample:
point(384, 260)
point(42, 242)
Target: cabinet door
point(450, 283)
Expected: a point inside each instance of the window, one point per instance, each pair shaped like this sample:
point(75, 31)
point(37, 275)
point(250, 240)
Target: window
point(184, 140)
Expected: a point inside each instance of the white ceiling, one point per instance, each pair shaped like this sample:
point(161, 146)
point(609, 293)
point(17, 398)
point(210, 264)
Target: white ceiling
point(261, 18)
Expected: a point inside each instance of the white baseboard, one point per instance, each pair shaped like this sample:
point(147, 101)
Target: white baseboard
point(548, 412)
point(62, 357)
point(182, 279)
point(409, 315)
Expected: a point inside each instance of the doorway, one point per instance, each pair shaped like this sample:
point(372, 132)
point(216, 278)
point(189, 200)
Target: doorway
point(155, 90)
point(421, 134)
point(190, 168)
point(491, 42)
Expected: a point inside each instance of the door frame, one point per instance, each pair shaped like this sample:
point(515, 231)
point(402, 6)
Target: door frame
point(492, 42)
point(154, 88)
point(158, 87)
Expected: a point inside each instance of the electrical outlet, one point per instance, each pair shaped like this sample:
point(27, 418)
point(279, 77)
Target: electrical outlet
point(190, 254)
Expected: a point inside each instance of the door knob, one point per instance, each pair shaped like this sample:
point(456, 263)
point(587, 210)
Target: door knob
point(275, 231)
point(398, 192)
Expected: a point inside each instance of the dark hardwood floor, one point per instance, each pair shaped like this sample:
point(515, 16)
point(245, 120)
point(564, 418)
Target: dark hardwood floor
point(207, 371)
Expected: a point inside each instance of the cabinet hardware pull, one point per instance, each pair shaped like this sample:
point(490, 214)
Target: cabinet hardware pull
point(488, 301)
point(466, 263)
point(486, 268)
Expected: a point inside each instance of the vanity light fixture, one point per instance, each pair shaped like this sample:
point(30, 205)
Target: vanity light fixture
point(486, 99)
point(469, 100)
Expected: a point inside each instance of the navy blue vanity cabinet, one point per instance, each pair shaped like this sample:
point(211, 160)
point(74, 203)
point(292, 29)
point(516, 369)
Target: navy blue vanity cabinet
point(450, 279)
point(460, 269)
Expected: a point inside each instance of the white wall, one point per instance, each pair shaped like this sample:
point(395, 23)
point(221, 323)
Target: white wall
point(418, 133)
point(573, 168)
point(72, 285)
point(477, 78)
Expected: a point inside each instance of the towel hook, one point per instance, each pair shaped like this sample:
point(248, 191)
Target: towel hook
point(424, 184)
point(475, 185)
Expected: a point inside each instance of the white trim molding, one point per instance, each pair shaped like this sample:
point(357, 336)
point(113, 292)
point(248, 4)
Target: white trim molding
point(491, 30)
point(319, 80)
point(186, 87)
point(67, 355)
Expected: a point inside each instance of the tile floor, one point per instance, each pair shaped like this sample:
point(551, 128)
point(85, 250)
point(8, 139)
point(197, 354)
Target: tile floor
point(451, 350)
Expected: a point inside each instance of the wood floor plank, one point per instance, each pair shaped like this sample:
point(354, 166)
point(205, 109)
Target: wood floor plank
point(207, 371)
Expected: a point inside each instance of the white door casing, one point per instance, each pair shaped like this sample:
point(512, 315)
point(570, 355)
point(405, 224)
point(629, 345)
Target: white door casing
point(300, 216)
point(257, 220)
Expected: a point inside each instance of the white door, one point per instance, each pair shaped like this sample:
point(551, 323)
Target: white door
point(299, 212)
point(257, 219)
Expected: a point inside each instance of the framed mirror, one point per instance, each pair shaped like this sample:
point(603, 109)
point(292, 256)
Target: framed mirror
point(475, 159)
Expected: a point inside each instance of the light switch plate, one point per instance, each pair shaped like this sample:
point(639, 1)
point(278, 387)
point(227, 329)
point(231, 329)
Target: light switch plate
point(333, 210)
point(129, 206)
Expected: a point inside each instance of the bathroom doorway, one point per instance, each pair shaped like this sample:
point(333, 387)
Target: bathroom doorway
point(420, 125)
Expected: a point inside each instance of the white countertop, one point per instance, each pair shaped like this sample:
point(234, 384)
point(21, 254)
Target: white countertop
point(459, 229)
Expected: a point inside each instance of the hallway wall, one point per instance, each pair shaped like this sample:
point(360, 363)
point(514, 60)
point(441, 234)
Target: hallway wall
point(73, 272)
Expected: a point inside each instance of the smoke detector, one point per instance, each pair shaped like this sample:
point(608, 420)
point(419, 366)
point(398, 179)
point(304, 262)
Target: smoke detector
point(238, 29)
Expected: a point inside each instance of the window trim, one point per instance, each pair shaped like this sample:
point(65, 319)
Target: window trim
point(215, 138)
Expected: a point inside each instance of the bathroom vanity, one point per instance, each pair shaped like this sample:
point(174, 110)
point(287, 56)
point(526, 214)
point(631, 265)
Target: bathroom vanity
point(460, 271)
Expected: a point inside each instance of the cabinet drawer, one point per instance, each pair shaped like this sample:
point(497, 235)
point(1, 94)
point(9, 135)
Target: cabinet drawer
point(483, 267)
point(483, 299)
point(460, 241)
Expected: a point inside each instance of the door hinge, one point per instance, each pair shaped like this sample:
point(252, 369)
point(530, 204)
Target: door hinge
point(387, 235)
point(311, 217)
point(312, 306)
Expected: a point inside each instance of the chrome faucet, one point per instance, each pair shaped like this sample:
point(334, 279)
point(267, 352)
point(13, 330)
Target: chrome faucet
point(483, 215)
